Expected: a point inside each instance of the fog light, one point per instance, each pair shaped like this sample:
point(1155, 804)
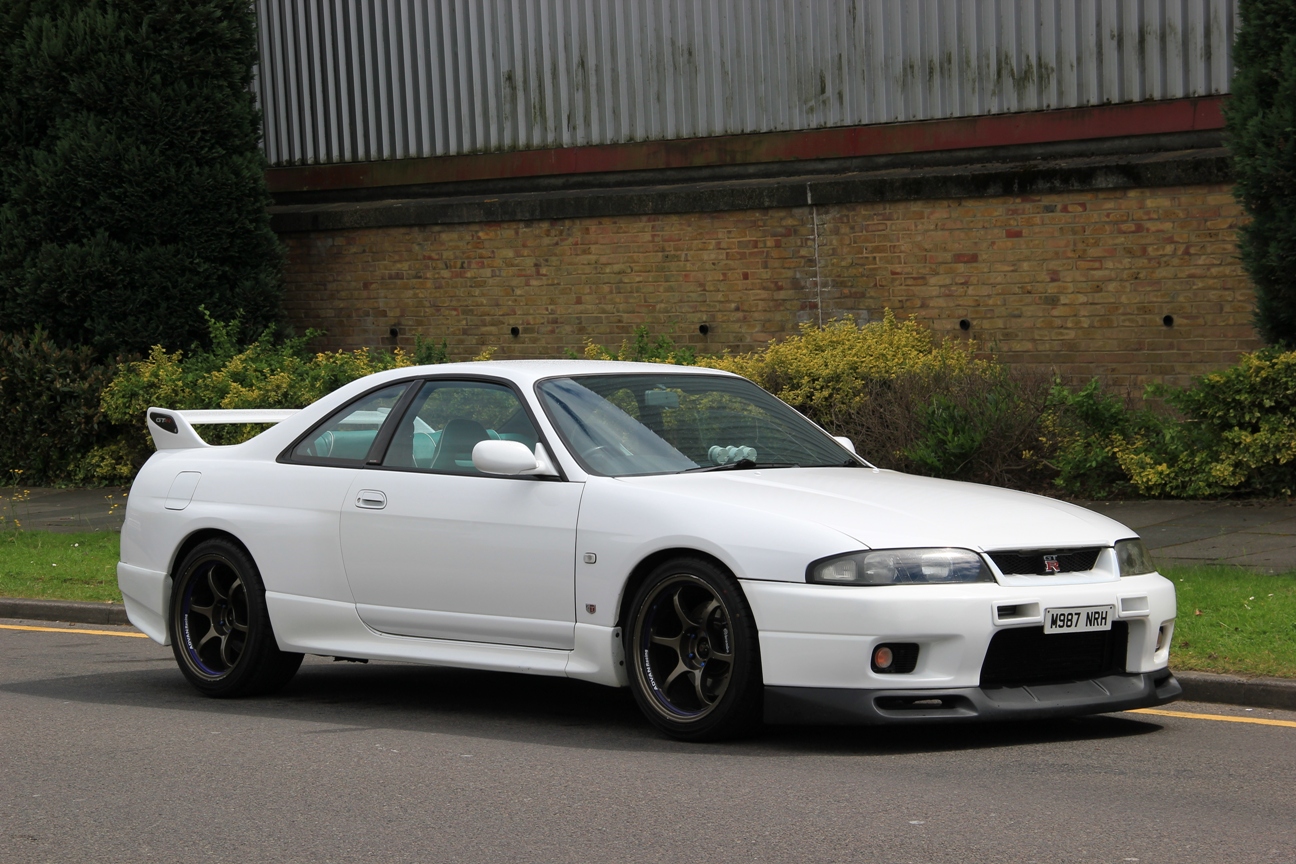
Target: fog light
point(894, 658)
point(883, 657)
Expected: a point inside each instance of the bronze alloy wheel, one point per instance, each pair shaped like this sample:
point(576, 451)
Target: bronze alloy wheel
point(695, 664)
point(220, 628)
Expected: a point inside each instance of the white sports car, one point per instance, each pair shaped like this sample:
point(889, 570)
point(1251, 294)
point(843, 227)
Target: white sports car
point(676, 530)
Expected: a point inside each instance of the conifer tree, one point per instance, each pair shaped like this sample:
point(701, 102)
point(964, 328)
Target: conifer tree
point(1261, 128)
point(132, 190)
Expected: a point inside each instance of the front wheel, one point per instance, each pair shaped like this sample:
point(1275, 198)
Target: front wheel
point(694, 652)
point(220, 627)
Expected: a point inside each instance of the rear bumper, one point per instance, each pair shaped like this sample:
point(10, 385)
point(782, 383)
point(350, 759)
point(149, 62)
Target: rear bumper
point(849, 707)
point(146, 593)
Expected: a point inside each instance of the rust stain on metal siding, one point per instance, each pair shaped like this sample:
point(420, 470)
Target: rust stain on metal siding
point(1181, 115)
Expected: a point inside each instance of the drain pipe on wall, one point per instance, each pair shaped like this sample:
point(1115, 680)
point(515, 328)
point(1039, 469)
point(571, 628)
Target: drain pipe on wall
point(814, 217)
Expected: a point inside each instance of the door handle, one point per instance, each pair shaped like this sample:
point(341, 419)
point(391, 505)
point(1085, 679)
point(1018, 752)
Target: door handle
point(371, 499)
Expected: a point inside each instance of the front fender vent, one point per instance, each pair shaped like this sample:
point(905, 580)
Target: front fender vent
point(1035, 562)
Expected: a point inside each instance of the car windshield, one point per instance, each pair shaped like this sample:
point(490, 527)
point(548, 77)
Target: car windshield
point(625, 425)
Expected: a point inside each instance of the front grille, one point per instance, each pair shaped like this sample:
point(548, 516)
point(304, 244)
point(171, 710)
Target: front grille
point(1026, 655)
point(1030, 562)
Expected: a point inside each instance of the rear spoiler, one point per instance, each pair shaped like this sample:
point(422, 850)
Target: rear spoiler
point(173, 430)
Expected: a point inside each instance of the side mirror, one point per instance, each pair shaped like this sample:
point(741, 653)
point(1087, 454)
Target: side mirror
point(845, 442)
point(494, 456)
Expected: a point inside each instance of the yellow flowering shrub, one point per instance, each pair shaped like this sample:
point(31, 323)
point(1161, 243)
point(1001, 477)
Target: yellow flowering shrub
point(1235, 433)
point(825, 370)
point(1237, 460)
point(905, 399)
point(261, 375)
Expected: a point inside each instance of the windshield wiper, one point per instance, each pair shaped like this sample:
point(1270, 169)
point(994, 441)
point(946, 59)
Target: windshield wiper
point(740, 465)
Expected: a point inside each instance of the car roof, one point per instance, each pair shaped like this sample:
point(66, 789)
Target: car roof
point(524, 373)
point(529, 371)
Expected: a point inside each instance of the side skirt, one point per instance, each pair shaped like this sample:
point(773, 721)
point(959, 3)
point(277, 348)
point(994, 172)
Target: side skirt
point(332, 628)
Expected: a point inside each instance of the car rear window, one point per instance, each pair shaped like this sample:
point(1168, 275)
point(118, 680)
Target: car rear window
point(346, 437)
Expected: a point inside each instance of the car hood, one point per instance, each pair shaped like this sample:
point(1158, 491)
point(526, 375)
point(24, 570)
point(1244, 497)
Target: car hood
point(887, 509)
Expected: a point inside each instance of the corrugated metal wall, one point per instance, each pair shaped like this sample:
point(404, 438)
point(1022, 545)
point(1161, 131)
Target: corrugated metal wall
point(360, 80)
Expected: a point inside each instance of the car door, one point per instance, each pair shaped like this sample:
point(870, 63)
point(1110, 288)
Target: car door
point(288, 510)
point(434, 548)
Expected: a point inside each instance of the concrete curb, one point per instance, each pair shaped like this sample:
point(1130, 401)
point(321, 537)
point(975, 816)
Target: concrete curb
point(70, 611)
point(1229, 689)
point(1198, 686)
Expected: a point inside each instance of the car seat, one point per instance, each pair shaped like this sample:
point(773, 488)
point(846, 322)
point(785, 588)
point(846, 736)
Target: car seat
point(454, 450)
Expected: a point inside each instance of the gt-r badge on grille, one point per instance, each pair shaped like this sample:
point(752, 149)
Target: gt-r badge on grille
point(1051, 564)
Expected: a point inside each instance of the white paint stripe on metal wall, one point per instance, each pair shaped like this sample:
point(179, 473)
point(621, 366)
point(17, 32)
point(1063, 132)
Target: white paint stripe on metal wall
point(361, 80)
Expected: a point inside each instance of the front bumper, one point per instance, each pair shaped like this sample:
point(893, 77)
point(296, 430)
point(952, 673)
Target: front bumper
point(833, 706)
point(822, 636)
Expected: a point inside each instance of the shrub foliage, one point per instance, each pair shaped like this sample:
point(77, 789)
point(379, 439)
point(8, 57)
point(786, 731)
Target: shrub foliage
point(1237, 434)
point(938, 408)
point(131, 183)
point(824, 370)
point(49, 397)
point(264, 374)
point(907, 401)
point(642, 348)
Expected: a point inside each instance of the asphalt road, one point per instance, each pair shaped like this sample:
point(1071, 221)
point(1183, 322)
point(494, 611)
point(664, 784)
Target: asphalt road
point(106, 754)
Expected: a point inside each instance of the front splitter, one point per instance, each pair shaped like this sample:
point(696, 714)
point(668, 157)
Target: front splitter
point(842, 707)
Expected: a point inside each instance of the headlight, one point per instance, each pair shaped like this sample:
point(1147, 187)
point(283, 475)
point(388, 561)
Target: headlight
point(901, 567)
point(1133, 559)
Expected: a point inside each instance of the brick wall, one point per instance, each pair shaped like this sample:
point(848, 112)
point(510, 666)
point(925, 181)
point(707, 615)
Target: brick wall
point(1077, 282)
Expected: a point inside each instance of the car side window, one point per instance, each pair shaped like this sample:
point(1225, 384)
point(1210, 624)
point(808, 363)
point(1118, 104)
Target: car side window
point(346, 436)
point(448, 418)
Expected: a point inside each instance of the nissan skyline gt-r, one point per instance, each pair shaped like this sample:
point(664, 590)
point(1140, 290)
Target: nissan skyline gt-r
point(675, 530)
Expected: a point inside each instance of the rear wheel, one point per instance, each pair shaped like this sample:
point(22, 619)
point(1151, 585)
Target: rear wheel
point(220, 627)
point(695, 657)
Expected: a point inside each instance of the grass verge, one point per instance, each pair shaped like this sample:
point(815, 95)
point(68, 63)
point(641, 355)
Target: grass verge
point(1232, 620)
point(48, 566)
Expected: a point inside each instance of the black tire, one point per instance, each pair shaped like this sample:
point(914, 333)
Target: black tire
point(693, 652)
point(220, 627)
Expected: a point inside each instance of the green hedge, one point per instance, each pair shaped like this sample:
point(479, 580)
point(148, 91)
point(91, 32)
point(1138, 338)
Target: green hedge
point(49, 400)
point(1260, 118)
point(132, 185)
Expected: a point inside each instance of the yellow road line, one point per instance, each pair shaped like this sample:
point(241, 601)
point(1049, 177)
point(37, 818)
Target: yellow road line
point(1259, 721)
point(70, 630)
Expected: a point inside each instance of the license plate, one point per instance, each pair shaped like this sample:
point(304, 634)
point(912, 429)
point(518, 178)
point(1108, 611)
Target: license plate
point(1078, 619)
